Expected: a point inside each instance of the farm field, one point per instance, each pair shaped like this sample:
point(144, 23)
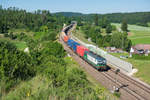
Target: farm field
point(138, 34)
point(141, 65)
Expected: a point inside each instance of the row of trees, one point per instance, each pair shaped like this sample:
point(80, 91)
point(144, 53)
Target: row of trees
point(104, 23)
point(117, 39)
point(15, 18)
point(138, 18)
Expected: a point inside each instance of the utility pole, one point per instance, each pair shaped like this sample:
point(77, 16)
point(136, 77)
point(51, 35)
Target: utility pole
point(115, 87)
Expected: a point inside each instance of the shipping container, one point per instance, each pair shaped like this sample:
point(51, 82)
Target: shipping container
point(75, 44)
point(66, 38)
point(72, 44)
point(81, 50)
point(97, 61)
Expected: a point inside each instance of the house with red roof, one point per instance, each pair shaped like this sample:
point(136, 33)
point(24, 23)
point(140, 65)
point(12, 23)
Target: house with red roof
point(140, 49)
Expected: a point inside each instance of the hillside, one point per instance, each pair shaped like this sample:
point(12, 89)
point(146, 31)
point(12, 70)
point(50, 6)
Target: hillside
point(44, 71)
point(139, 18)
point(69, 14)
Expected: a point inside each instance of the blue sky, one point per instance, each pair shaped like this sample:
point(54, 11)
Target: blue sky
point(83, 6)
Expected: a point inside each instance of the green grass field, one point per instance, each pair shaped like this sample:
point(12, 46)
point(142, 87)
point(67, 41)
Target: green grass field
point(139, 34)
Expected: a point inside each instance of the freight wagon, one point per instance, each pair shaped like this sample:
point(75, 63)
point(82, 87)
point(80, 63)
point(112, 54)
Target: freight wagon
point(72, 44)
point(80, 50)
point(96, 61)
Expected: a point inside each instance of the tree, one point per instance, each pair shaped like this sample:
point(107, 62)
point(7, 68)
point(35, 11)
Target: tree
point(116, 40)
point(15, 65)
point(120, 40)
point(96, 19)
point(124, 26)
point(113, 28)
point(104, 22)
point(108, 29)
point(106, 40)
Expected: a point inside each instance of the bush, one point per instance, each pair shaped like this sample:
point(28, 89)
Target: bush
point(117, 94)
point(14, 64)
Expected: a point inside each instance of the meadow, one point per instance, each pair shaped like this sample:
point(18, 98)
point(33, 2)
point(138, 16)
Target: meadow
point(138, 34)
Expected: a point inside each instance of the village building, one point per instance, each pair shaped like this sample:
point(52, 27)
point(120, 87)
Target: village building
point(140, 49)
point(113, 50)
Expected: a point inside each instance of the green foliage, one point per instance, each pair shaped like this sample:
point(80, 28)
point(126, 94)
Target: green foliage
point(114, 28)
point(148, 24)
point(53, 48)
point(104, 22)
point(22, 37)
point(106, 41)
point(49, 36)
point(44, 29)
point(124, 26)
point(108, 29)
point(96, 19)
point(14, 64)
point(118, 94)
point(20, 45)
point(140, 57)
point(10, 35)
point(120, 40)
point(139, 18)
point(40, 20)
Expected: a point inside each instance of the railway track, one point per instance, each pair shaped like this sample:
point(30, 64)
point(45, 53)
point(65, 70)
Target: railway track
point(130, 88)
point(135, 82)
point(132, 95)
point(133, 85)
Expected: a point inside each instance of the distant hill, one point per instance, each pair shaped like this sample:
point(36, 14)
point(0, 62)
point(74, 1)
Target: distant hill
point(69, 14)
point(139, 18)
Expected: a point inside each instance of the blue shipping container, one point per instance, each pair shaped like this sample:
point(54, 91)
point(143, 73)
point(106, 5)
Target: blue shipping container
point(75, 44)
point(71, 43)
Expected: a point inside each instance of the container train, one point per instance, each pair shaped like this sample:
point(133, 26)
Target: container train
point(95, 60)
